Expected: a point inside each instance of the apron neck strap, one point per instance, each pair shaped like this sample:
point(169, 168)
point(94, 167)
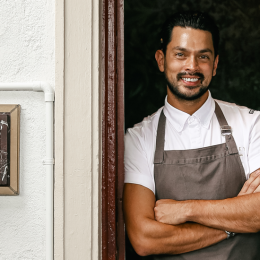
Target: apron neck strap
point(220, 116)
point(158, 156)
point(225, 130)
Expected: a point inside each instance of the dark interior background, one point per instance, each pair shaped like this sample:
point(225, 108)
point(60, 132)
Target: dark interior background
point(238, 74)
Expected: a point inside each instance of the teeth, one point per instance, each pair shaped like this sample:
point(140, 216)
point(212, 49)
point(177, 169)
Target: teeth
point(190, 79)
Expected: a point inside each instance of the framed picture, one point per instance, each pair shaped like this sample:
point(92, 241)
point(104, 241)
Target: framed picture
point(9, 149)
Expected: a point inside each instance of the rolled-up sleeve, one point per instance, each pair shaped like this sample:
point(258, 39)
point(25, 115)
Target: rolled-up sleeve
point(137, 170)
point(254, 146)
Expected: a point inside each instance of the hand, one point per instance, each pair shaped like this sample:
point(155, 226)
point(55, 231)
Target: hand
point(170, 211)
point(252, 185)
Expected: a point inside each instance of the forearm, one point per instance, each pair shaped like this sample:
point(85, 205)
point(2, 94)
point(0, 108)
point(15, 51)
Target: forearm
point(149, 236)
point(240, 214)
point(158, 238)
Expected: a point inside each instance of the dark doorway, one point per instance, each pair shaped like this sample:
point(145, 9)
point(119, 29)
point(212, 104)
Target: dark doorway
point(238, 74)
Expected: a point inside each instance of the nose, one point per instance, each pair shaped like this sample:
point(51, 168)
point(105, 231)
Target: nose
point(191, 64)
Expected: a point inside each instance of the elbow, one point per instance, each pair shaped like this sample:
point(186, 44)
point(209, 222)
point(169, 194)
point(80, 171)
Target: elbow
point(142, 252)
point(141, 245)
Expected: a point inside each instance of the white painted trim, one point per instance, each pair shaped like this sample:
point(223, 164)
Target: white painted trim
point(82, 132)
point(59, 132)
point(97, 131)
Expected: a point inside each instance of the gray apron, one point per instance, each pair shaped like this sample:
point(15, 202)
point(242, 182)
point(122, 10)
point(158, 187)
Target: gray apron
point(209, 173)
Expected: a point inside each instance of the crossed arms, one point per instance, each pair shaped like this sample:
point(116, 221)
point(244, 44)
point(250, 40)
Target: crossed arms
point(175, 227)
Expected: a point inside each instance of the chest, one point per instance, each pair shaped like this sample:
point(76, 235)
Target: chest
point(194, 136)
point(194, 173)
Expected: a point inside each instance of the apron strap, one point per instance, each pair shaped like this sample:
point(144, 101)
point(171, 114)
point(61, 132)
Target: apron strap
point(220, 116)
point(226, 130)
point(158, 156)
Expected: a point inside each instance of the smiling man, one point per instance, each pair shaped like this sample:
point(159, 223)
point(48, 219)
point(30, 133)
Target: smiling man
point(191, 169)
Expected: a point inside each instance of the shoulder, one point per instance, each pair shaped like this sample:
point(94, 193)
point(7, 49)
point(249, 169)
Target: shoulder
point(239, 116)
point(139, 151)
point(145, 129)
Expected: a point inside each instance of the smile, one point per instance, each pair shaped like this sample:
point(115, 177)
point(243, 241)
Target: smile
point(190, 79)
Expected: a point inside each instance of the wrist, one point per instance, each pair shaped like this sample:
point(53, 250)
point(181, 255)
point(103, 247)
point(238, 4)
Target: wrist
point(190, 211)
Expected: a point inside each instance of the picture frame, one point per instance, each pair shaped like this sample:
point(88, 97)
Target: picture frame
point(9, 152)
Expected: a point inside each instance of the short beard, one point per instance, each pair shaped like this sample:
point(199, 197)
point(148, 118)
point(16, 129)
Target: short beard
point(175, 88)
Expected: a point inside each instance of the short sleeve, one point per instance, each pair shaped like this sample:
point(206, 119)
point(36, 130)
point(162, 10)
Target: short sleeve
point(137, 168)
point(254, 146)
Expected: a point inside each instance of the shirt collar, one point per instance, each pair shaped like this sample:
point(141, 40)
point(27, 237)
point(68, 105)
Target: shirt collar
point(178, 118)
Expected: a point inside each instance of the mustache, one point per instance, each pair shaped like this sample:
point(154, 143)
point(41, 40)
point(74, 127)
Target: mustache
point(181, 74)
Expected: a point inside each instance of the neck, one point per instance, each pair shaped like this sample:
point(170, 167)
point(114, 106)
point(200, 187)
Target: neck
point(187, 106)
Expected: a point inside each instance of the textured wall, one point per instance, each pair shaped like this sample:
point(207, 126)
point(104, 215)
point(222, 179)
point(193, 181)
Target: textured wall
point(26, 54)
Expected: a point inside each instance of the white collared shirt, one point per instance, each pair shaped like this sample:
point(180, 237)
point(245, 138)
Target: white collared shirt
point(184, 131)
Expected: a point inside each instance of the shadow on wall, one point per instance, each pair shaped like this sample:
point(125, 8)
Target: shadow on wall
point(238, 74)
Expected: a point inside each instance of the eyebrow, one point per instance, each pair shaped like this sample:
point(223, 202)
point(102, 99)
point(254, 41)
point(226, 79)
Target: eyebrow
point(200, 51)
point(206, 50)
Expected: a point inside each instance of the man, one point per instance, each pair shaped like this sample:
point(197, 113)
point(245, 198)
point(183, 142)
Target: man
point(186, 194)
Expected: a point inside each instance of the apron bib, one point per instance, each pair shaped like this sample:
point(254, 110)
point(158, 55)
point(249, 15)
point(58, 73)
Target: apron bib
point(209, 173)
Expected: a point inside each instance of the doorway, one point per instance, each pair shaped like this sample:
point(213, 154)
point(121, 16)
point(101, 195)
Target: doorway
point(130, 70)
point(238, 78)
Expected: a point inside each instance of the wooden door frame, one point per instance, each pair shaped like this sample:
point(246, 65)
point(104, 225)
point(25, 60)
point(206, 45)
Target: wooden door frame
point(112, 80)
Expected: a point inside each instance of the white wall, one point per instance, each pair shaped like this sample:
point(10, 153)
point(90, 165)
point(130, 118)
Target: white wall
point(27, 47)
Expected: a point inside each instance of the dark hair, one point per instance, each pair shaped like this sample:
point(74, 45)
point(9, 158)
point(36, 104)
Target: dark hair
point(196, 20)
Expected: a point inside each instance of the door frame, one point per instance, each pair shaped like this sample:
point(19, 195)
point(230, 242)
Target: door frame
point(112, 80)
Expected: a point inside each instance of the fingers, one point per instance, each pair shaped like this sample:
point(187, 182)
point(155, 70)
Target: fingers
point(252, 184)
point(257, 189)
point(159, 212)
point(162, 210)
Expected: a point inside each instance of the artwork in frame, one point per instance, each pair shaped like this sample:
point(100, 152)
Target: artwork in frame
point(9, 149)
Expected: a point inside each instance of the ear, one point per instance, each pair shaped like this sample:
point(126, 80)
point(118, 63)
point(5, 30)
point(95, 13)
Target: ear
point(159, 56)
point(215, 65)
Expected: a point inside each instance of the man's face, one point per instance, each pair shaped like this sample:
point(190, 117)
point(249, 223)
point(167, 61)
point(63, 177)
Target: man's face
point(189, 62)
